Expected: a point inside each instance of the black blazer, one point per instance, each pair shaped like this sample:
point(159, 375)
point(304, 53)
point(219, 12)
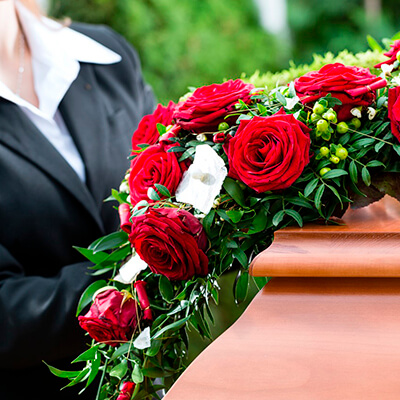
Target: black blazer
point(45, 210)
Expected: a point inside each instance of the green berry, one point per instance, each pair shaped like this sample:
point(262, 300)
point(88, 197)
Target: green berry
point(356, 122)
point(334, 159)
point(324, 151)
point(342, 127)
point(223, 126)
point(330, 116)
point(323, 171)
point(315, 117)
point(322, 125)
point(342, 153)
point(318, 108)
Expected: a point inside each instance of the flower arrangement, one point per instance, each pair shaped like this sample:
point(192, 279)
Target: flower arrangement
point(211, 178)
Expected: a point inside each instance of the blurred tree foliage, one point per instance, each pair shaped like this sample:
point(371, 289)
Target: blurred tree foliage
point(320, 26)
point(185, 43)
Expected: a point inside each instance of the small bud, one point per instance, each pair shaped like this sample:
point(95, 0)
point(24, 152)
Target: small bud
point(371, 113)
point(223, 126)
point(315, 117)
point(356, 122)
point(334, 159)
point(342, 127)
point(342, 153)
point(323, 171)
point(201, 137)
point(324, 151)
point(318, 108)
point(356, 111)
point(124, 187)
point(322, 125)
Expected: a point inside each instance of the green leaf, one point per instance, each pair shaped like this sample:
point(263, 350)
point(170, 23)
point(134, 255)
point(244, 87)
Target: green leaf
point(161, 129)
point(297, 201)
point(208, 221)
point(378, 146)
point(123, 349)
point(81, 377)
point(259, 223)
point(260, 281)
point(374, 44)
point(137, 374)
point(353, 171)
point(310, 187)
point(396, 148)
point(95, 258)
point(240, 255)
point(154, 348)
point(296, 216)
point(109, 242)
point(162, 190)
point(318, 197)
point(94, 368)
point(366, 177)
point(152, 194)
point(166, 288)
point(241, 286)
point(278, 217)
point(86, 297)
point(336, 193)
point(63, 374)
point(235, 191)
point(120, 370)
point(280, 98)
point(88, 355)
point(171, 327)
point(188, 153)
point(375, 163)
point(235, 215)
point(334, 173)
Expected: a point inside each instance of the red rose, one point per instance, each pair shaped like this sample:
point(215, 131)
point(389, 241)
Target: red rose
point(392, 53)
point(208, 105)
point(144, 302)
point(126, 391)
point(147, 130)
point(353, 86)
point(269, 153)
point(124, 211)
point(111, 319)
point(154, 165)
point(394, 111)
point(171, 241)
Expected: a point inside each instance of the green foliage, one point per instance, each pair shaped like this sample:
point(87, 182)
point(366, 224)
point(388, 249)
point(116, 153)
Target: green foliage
point(192, 44)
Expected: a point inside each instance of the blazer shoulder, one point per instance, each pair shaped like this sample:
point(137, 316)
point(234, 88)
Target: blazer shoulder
point(109, 38)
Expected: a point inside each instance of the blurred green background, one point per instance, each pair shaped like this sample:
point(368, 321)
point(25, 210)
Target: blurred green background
point(196, 42)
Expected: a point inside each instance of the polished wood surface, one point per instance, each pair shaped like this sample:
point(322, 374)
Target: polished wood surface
point(366, 243)
point(305, 339)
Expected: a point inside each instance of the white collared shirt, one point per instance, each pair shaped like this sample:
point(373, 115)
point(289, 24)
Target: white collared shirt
point(56, 52)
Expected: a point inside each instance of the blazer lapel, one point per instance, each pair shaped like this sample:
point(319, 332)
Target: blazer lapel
point(85, 117)
point(20, 134)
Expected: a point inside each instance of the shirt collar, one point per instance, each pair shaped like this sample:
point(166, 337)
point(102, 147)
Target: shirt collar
point(56, 52)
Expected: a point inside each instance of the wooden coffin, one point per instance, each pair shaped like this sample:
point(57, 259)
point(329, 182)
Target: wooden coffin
point(327, 326)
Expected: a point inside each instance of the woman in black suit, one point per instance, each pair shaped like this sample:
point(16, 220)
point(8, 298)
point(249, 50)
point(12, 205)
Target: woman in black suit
point(70, 98)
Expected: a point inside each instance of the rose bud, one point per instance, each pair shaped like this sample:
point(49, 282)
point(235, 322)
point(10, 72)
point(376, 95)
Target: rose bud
point(126, 391)
point(144, 302)
point(112, 317)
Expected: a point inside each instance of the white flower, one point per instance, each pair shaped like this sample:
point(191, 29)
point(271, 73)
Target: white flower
point(124, 187)
point(396, 80)
point(387, 69)
point(143, 340)
point(291, 102)
point(201, 137)
point(202, 182)
point(371, 113)
point(130, 270)
point(356, 111)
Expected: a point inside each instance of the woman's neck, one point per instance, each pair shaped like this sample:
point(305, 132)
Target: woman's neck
point(9, 31)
